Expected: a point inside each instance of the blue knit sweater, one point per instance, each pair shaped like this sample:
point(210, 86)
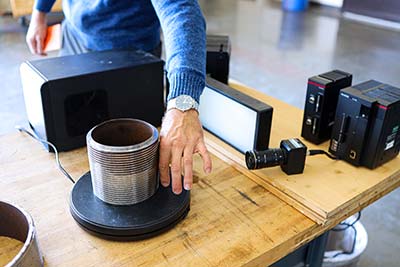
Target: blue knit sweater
point(109, 24)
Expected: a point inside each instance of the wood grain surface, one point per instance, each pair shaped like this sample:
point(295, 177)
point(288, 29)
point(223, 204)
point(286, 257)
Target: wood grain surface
point(327, 188)
point(233, 221)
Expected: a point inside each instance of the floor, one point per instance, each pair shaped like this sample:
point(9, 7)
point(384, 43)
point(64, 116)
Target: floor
point(274, 52)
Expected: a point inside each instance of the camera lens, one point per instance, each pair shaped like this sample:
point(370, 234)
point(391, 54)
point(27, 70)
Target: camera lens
point(262, 159)
point(251, 160)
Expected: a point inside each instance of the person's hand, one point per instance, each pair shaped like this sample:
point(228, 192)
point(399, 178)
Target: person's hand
point(37, 32)
point(181, 136)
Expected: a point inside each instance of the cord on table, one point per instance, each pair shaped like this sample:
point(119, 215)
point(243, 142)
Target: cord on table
point(60, 167)
point(313, 152)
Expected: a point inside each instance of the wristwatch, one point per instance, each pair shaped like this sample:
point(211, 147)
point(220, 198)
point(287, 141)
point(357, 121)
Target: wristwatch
point(183, 103)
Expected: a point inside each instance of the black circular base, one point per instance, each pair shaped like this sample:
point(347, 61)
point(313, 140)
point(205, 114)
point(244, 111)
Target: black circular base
point(143, 220)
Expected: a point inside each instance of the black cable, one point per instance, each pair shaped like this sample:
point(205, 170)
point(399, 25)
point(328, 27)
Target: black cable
point(347, 226)
point(313, 152)
point(60, 167)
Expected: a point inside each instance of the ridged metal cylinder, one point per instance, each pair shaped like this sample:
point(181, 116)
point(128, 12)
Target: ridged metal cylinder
point(18, 224)
point(123, 158)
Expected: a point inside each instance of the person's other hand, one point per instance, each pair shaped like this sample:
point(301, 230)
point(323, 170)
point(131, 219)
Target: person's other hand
point(181, 136)
point(37, 32)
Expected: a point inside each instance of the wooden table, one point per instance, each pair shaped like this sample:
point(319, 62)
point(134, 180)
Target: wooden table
point(233, 220)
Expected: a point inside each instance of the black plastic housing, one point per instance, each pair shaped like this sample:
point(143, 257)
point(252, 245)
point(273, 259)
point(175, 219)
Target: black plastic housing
point(320, 105)
point(367, 124)
point(295, 152)
point(66, 96)
point(218, 56)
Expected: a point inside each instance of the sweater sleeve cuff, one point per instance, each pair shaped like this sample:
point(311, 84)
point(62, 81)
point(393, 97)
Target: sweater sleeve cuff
point(186, 83)
point(44, 5)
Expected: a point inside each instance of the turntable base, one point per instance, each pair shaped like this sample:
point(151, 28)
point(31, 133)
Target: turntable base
point(151, 217)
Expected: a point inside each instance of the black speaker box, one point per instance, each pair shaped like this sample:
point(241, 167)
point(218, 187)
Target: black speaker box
point(66, 96)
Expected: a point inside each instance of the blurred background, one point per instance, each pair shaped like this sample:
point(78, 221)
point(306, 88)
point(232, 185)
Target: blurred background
point(276, 47)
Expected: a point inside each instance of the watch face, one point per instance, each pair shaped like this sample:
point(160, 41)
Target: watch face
point(184, 102)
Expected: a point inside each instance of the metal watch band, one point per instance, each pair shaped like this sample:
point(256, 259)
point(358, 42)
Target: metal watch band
point(183, 103)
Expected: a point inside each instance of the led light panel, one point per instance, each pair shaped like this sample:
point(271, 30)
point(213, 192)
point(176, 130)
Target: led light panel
point(240, 120)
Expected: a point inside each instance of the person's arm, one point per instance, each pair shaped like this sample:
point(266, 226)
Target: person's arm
point(37, 30)
point(181, 133)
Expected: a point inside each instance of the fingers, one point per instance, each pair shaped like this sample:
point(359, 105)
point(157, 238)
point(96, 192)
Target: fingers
point(175, 155)
point(207, 164)
point(188, 167)
point(165, 154)
point(176, 170)
point(37, 32)
point(31, 44)
point(39, 45)
point(36, 43)
point(181, 134)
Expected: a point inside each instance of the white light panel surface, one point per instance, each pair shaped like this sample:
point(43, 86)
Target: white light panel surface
point(228, 119)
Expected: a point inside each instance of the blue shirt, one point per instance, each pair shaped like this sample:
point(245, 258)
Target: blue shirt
point(112, 24)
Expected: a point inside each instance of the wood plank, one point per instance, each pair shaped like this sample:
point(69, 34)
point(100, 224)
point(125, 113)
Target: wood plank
point(233, 221)
point(227, 153)
point(24, 7)
point(326, 188)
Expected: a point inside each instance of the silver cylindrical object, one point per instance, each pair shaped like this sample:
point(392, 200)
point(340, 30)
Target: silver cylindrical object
point(18, 224)
point(123, 158)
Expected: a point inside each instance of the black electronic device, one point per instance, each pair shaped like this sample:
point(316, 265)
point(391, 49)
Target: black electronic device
point(320, 105)
point(237, 118)
point(291, 156)
point(66, 96)
point(367, 124)
point(218, 56)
